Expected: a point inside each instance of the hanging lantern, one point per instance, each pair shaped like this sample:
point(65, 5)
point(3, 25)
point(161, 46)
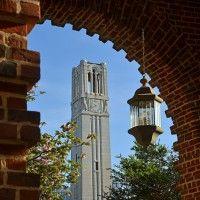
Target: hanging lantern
point(145, 116)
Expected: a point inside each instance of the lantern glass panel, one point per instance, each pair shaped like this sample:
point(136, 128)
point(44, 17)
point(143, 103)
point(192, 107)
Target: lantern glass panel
point(142, 113)
point(146, 113)
point(133, 119)
point(157, 113)
point(131, 116)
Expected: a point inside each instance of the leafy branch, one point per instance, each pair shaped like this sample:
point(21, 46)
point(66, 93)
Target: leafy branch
point(50, 159)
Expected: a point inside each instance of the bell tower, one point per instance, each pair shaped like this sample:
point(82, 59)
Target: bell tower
point(90, 111)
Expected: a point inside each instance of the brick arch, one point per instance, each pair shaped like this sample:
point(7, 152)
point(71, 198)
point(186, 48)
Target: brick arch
point(164, 41)
point(172, 57)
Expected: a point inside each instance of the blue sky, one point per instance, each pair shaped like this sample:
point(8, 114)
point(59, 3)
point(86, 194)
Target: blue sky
point(63, 48)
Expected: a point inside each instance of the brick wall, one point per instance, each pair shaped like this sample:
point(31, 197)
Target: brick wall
point(172, 32)
point(19, 70)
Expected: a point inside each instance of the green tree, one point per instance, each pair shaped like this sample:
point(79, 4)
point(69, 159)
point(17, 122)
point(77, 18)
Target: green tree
point(147, 174)
point(34, 93)
point(50, 158)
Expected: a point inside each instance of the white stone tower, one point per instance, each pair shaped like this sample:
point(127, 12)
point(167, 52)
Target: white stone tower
point(90, 111)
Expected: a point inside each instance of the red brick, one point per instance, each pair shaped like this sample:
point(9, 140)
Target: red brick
point(15, 164)
point(2, 114)
point(13, 88)
point(12, 149)
point(25, 55)
point(8, 131)
point(16, 103)
point(30, 134)
point(1, 178)
point(29, 73)
point(12, 27)
point(8, 69)
point(8, 6)
point(196, 195)
point(16, 41)
point(193, 190)
point(196, 174)
point(2, 51)
point(1, 38)
point(7, 194)
point(30, 9)
point(24, 116)
point(189, 197)
point(1, 103)
point(23, 179)
point(29, 194)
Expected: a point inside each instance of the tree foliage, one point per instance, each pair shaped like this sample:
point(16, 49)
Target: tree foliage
point(34, 93)
point(50, 160)
point(50, 157)
point(147, 174)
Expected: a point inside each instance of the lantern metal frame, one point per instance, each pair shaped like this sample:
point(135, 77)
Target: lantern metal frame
point(145, 134)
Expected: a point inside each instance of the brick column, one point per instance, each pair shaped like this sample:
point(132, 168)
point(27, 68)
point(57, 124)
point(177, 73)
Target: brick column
point(19, 71)
point(180, 88)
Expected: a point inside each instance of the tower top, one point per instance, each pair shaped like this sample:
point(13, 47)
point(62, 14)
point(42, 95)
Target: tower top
point(85, 63)
point(89, 79)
